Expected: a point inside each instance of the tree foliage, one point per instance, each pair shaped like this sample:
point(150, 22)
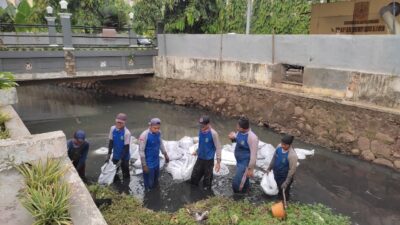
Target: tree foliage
point(224, 16)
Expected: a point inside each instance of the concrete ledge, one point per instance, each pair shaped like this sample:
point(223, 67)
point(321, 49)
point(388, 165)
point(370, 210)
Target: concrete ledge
point(8, 96)
point(11, 210)
point(83, 209)
point(32, 148)
point(15, 125)
point(81, 74)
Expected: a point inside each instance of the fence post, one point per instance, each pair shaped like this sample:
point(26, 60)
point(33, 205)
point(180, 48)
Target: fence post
point(66, 30)
point(132, 36)
point(51, 25)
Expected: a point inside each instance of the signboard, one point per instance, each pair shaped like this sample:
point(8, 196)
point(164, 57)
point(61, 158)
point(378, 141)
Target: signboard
point(350, 17)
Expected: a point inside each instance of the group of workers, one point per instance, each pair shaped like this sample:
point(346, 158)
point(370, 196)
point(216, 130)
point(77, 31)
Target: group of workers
point(283, 163)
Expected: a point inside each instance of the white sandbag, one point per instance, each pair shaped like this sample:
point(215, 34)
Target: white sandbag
point(305, 151)
point(196, 140)
point(186, 142)
point(101, 151)
point(134, 140)
point(258, 174)
point(267, 151)
point(262, 163)
point(300, 156)
point(138, 171)
point(134, 151)
point(138, 163)
point(228, 157)
point(187, 169)
point(269, 185)
point(223, 171)
point(182, 169)
point(174, 168)
point(175, 154)
point(193, 148)
point(162, 162)
point(228, 148)
point(261, 144)
point(171, 145)
point(108, 172)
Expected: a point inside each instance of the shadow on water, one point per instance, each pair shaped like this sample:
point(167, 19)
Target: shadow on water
point(369, 194)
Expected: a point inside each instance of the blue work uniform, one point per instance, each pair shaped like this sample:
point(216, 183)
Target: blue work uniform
point(205, 160)
point(242, 155)
point(118, 145)
point(281, 166)
point(152, 151)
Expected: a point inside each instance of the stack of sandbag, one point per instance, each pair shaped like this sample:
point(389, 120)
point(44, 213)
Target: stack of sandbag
point(181, 168)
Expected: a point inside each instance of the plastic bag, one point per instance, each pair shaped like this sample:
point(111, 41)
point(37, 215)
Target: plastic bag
point(186, 142)
point(134, 151)
point(108, 171)
point(228, 157)
point(182, 169)
point(269, 185)
point(101, 151)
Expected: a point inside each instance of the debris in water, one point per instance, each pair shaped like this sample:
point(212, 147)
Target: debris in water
point(200, 217)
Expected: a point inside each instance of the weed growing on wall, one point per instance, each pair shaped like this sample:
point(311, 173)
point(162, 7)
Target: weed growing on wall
point(46, 196)
point(4, 133)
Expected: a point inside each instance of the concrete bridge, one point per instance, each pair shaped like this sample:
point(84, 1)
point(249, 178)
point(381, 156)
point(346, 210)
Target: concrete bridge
point(40, 66)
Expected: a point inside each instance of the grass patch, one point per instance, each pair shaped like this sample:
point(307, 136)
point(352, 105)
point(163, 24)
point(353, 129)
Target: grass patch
point(4, 133)
point(126, 210)
point(46, 196)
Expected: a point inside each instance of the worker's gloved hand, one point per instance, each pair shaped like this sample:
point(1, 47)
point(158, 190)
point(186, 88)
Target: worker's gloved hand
point(284, 185)
point(145, 169)
point(108, 158)
point(166, 158)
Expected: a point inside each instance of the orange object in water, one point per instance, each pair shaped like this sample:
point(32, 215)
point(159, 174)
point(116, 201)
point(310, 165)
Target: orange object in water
point(278, 210)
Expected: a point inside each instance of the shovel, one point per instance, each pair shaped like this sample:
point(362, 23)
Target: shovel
point(278, 209)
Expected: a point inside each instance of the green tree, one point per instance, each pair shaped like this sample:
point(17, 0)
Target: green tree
point(281, 17)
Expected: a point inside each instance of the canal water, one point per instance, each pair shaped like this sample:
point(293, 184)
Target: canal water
point(369, 194)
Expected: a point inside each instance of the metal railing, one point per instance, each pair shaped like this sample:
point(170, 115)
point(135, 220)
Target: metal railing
point(42, 35)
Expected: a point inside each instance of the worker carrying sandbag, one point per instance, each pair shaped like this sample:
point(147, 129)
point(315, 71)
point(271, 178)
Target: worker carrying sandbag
point(268, 184)
point(283, 164)
point(150, 144)
point(209, 144)
point(245, 154)
point(118, 146)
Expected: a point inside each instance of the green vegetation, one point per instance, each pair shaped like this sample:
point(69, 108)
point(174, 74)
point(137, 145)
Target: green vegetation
point(46, 196)
point(4, 134)
point(7, 80)
point(179, 16)
point(128, 211)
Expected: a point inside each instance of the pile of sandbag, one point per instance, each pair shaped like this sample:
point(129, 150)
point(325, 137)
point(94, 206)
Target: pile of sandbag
point(182, 161)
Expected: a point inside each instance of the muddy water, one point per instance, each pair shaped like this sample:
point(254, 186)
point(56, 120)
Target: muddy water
point(369, 194)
